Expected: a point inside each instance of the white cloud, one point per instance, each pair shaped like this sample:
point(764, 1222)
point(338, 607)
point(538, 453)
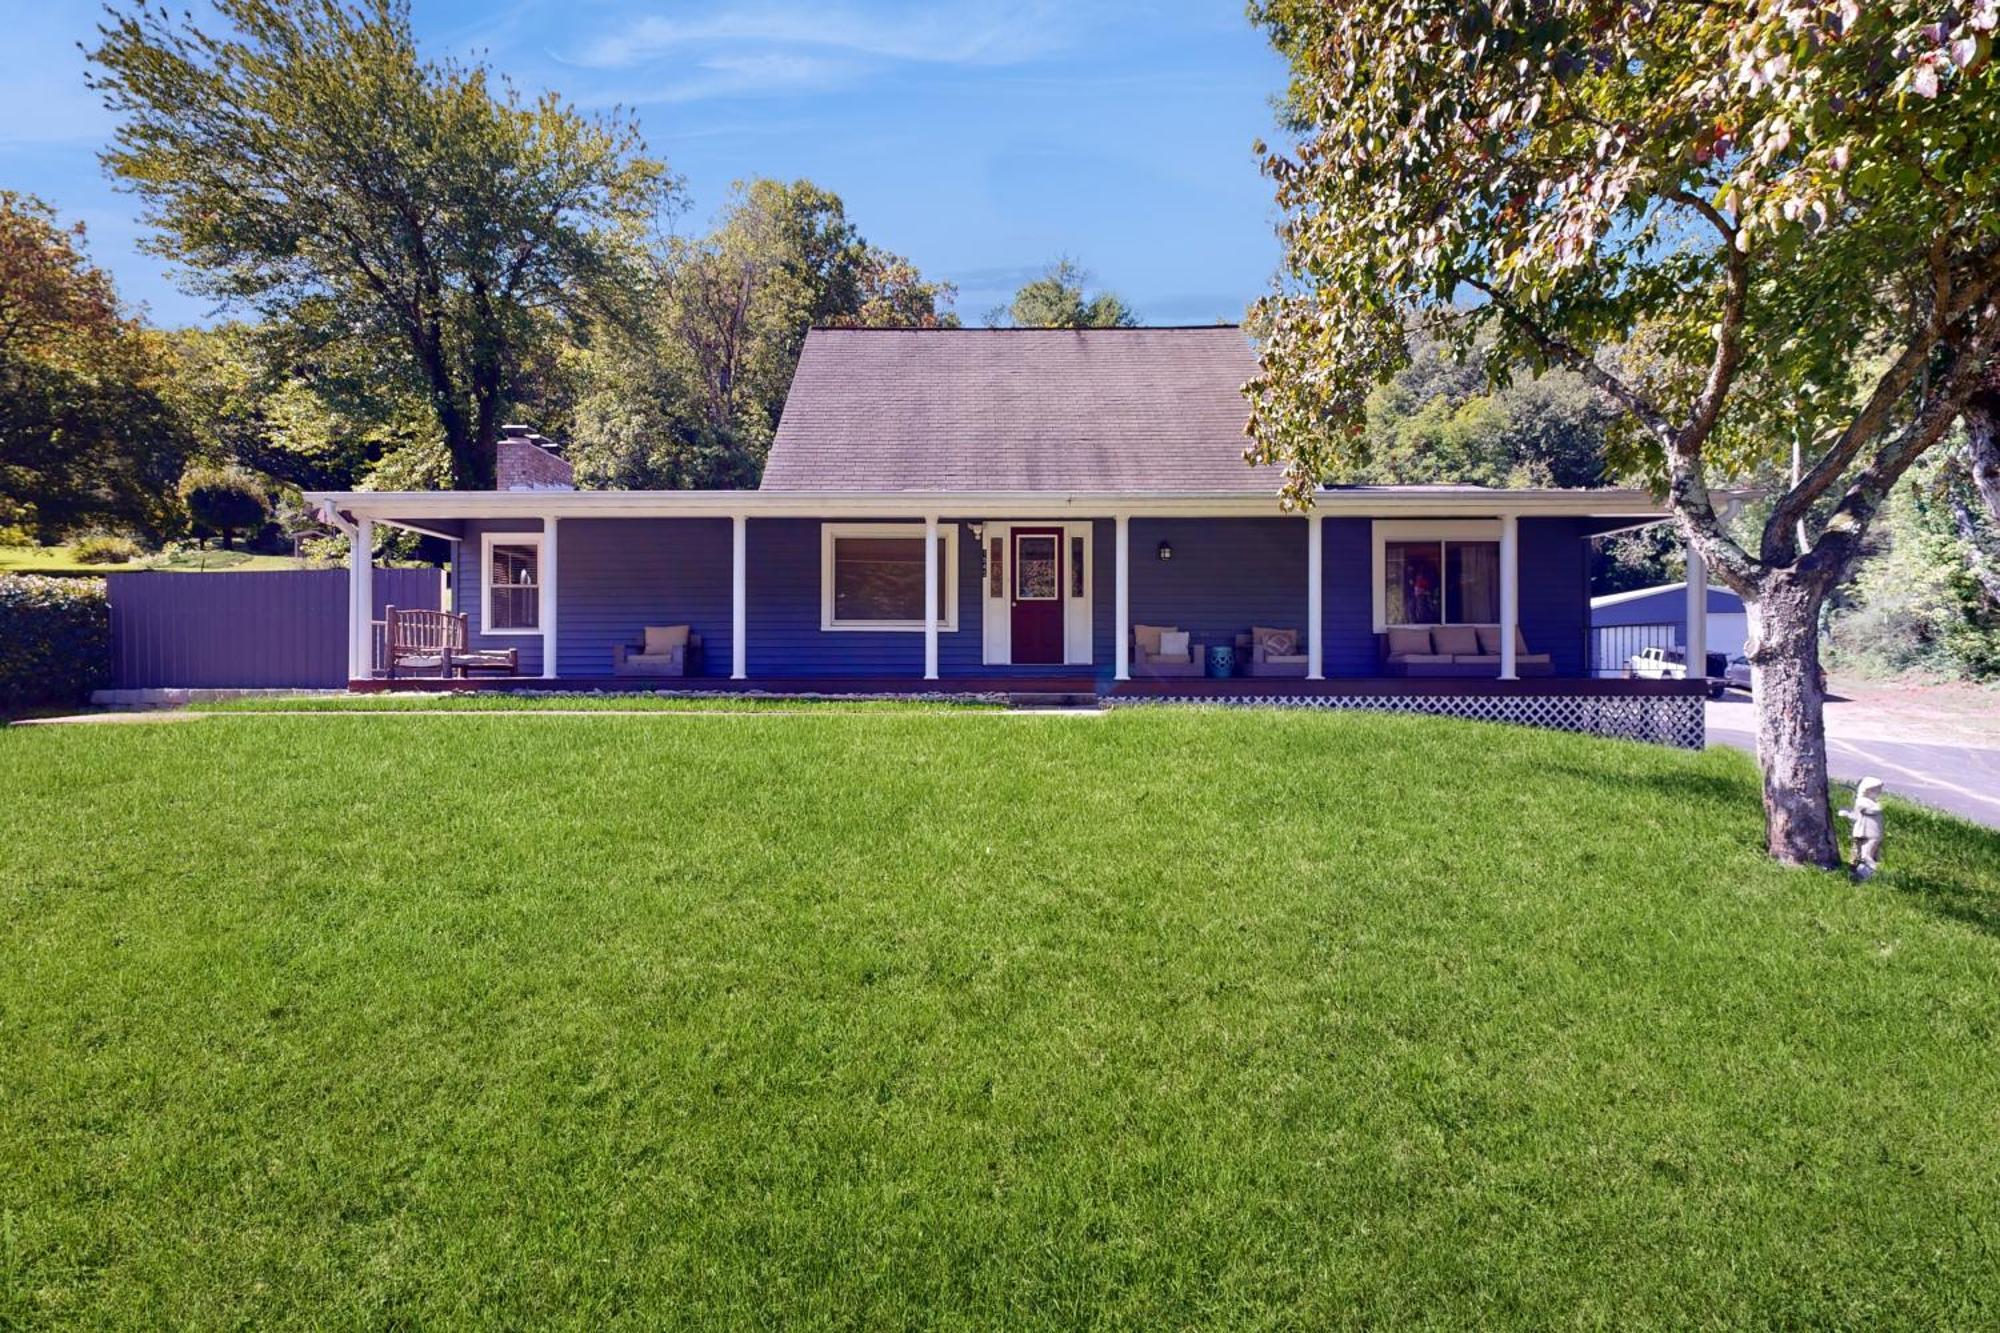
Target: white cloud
point(749, 74)
point(964, 32)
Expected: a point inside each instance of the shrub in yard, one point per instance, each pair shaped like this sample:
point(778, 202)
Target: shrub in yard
point(102, 549)
point(55, 640)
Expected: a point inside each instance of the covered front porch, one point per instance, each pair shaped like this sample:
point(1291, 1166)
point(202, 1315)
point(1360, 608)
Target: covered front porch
point(1114, 598)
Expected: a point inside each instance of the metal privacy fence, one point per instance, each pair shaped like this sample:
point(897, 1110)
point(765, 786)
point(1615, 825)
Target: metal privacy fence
point(284, 629)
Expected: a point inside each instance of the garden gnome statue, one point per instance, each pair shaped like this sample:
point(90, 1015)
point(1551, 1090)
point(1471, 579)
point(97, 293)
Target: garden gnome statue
point(1867, 817)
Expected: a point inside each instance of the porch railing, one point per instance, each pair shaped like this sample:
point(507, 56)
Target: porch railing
point(1612, 647)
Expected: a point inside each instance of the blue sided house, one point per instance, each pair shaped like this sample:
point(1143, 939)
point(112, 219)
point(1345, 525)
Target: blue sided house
point(1016, 511)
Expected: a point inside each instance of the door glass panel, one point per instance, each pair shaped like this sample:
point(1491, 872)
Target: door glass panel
point(996, 567)
point(1076, 566)
point(1035, 569)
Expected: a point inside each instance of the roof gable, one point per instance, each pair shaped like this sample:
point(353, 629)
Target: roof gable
point(1066, 410)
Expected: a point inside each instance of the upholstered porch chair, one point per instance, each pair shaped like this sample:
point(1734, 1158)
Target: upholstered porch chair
point(663, 650)
point(1151, 658)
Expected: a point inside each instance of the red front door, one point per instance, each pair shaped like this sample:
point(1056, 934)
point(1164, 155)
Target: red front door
point(1038, 595)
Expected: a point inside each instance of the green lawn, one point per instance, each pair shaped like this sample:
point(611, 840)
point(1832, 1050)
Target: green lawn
point(1163, 1019)
point(60, 560)
point(574, 702)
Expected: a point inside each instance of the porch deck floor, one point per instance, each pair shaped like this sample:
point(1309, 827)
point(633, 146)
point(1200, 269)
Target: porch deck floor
point(1235, 687)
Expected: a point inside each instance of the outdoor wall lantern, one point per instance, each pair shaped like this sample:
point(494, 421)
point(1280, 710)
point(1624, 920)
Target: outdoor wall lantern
point(1166, 550)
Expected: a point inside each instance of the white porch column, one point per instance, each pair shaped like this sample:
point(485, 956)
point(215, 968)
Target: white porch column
point(1315, 657)
point(545, 601)
point(1123, 659)
point(930, 596)
point(361, 598)
point(1697, 615)
point(739, 598)
point(1510, 594)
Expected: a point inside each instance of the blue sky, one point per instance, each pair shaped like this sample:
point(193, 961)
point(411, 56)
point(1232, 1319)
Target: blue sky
point(982, 138)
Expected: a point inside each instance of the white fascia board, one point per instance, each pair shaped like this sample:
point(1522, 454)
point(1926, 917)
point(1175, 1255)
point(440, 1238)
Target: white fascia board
point(1635, 594)
point(1374, 503)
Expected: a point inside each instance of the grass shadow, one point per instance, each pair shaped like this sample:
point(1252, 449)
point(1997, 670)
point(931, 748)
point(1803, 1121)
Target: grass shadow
point(1972, 901)
point(1952, 900)
point(1678, 784)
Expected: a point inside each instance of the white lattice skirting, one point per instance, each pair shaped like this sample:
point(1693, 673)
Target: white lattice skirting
point(1675, 720)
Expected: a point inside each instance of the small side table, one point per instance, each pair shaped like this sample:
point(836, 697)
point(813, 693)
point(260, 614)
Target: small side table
point(1221, 660)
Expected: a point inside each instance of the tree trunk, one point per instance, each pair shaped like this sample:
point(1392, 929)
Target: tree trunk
point(1791, 727)
point(1982, 429)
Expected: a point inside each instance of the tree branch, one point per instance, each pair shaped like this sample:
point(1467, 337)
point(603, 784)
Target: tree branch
point(1840, 542)
point(1685, 483)
point(1874, 415)
point(1728, 339)
point(1567, 354)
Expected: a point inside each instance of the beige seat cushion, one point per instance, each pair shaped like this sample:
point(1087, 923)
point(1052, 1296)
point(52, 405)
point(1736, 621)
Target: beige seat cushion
point(1425, 657)
point(1454, 639)
point(1272, 644)
point(665, 640)
point(1286, 659)
point(1489, 639)
point(1148, 638)
point(1487, 659)
point(1539, 659)
point(1409, 642)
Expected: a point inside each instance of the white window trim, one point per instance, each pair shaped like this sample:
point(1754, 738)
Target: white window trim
point(947, 613)
point(486, 544)
point(997, 609)
point(1419, 530)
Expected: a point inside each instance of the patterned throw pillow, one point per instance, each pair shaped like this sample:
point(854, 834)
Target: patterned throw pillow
point(1277, 642)
point(1174, 644)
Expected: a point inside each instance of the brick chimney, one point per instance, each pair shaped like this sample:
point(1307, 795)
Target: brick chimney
point(524, 461)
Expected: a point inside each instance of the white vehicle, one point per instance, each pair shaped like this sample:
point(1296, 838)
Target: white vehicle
point(1658, 664)
point(1671, 664)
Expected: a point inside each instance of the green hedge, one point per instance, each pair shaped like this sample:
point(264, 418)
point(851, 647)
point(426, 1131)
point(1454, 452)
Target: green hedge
point(55, 640)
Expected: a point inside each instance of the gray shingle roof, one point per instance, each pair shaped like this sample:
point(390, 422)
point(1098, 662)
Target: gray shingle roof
point(1092, 410)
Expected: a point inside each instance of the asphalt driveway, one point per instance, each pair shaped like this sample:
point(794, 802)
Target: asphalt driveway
point(1964, 779)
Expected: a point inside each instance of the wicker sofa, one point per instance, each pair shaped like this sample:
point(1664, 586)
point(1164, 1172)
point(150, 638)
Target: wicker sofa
point(1455, 650)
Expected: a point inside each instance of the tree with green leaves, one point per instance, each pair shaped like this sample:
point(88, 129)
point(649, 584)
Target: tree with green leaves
point(1789, 209)
point(1927, 598)
point(690, 393)
point(1441, 420)
point(1060, 299)
point(306, 412)
point(86, 437)
point(304, 159)
point(224, 500)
